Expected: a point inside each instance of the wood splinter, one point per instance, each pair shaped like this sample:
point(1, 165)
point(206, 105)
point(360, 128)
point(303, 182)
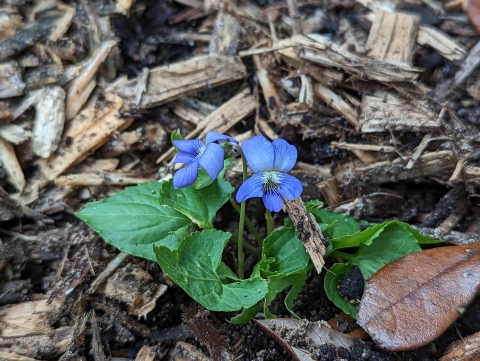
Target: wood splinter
point(308, 231)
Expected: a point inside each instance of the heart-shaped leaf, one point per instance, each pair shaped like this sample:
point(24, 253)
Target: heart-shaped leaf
point(410, 302)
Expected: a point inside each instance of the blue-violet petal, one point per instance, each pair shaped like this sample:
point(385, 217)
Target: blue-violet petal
point(251, 188)
point(212, 160)
point(214, 136)
point(191, 146)
point(186, 176)
point(290, 187)
point(285, 155)
point(184, 158)
point(273, 201)
point(259, 154)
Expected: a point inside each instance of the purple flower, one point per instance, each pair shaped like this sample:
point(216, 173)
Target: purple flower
point(270, 161)
point(194, 154)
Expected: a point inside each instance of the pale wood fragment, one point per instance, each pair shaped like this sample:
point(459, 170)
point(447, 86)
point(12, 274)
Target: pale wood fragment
point(270, 91)
point(124, 6)
point(380, 5)
point(111, 267)
point(97, 344)
point(9, 161)
point(466, 349)
point(7, 355)
point(222, 119)
point(98, 165)
point(100, 178)
point(294, 16)
point(455, 217)
point(366, 147)
point(330, 191)
point(14, 134)
point(321, 50)
point(185, 351)
point(441, 42)
point(336, 102)
point(41, 76)
point(226, 35)
point(134, 287)
point(384, 111)
point(308, 231)
point(187, 113)
point(49, 121)
point(30, 318)
point(80, 100)
point(469, 64)
point(63, 23)
point(80, 145)
point(11, 83)
point(25, 104)
point(418, 152)
point(170, 82)
point(85, 78)
point(306, 91)
point(9, 23)
point(392, 37)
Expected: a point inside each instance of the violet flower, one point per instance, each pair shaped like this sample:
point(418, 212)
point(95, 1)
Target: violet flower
point(194, 154)
point(270, 161)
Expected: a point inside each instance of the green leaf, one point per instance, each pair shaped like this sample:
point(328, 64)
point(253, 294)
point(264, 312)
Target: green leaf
point(200, 205)
point(342, 225)
point(277, 284)
point(133, 219)
point(332, 278)
point(176, 135)
point(310, 205)
point(246, 315)
point(194, 267)
point(393, 243)
point(204, 180)
point(287, 252)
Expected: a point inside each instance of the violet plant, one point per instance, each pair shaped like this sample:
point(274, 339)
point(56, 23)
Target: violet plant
point(172, 222)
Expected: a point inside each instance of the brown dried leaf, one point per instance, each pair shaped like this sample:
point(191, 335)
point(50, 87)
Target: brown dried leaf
point(289, 332)
point(411, 301)
point(472, 9)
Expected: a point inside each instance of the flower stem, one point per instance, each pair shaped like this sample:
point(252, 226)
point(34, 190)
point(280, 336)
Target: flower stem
point(248, 222)
point(269, 219)
point(248, 246)
point(241, 222)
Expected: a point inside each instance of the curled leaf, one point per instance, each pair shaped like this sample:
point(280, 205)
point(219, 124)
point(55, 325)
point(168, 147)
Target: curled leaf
point(410, 302)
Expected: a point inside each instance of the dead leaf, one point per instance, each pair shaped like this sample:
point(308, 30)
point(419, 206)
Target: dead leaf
point(472, 9)
point(411, 301)
point(289, 332)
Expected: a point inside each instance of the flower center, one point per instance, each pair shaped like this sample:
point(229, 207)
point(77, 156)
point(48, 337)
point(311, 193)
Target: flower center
point(271, 181)
point(200, 151)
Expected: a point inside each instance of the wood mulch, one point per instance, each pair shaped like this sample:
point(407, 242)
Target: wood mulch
point(380, 97)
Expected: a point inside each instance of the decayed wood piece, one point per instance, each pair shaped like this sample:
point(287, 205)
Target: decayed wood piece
point(10, 21)
point(100, 178)
point(226, 35)
point(5, 113)
point(30, 318)
point(97, 344)
point(418, 152)
point(330, 191)
point(41, 346)
point(63, 23)
point(80, 145)
point(11, 83)
point(270, 91)
point(221, 120)
point(81, 87)
point(428, 165)
point(466, 349)
point(135, 287)
point(392, 37)
point(9, 161)
point(441, 42)
point(170, 82)
point(336, 102)
point(185, 351)
point(14, 134)
point(308, 231)
point(49, 120)
point(7, 355)
point(25, 37)
point(385, 111)
point(111, 267)
point(320, 50)
point(365, 147)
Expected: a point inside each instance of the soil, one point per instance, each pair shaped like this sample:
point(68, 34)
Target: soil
point(67, 256)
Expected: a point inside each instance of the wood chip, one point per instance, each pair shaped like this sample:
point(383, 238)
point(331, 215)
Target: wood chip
point(11, 83)
point(49, 121)
point(226, 35)
point(30, 318)
point(97, 179)
point(170, 82)
point(441, 42)
point(308, 231)
point(14, 134)
point(9, 161)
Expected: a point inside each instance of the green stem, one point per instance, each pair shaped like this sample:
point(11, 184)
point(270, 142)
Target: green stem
point(248, 246)
point(269, 219)
point(241, 223)
point(248, 222)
